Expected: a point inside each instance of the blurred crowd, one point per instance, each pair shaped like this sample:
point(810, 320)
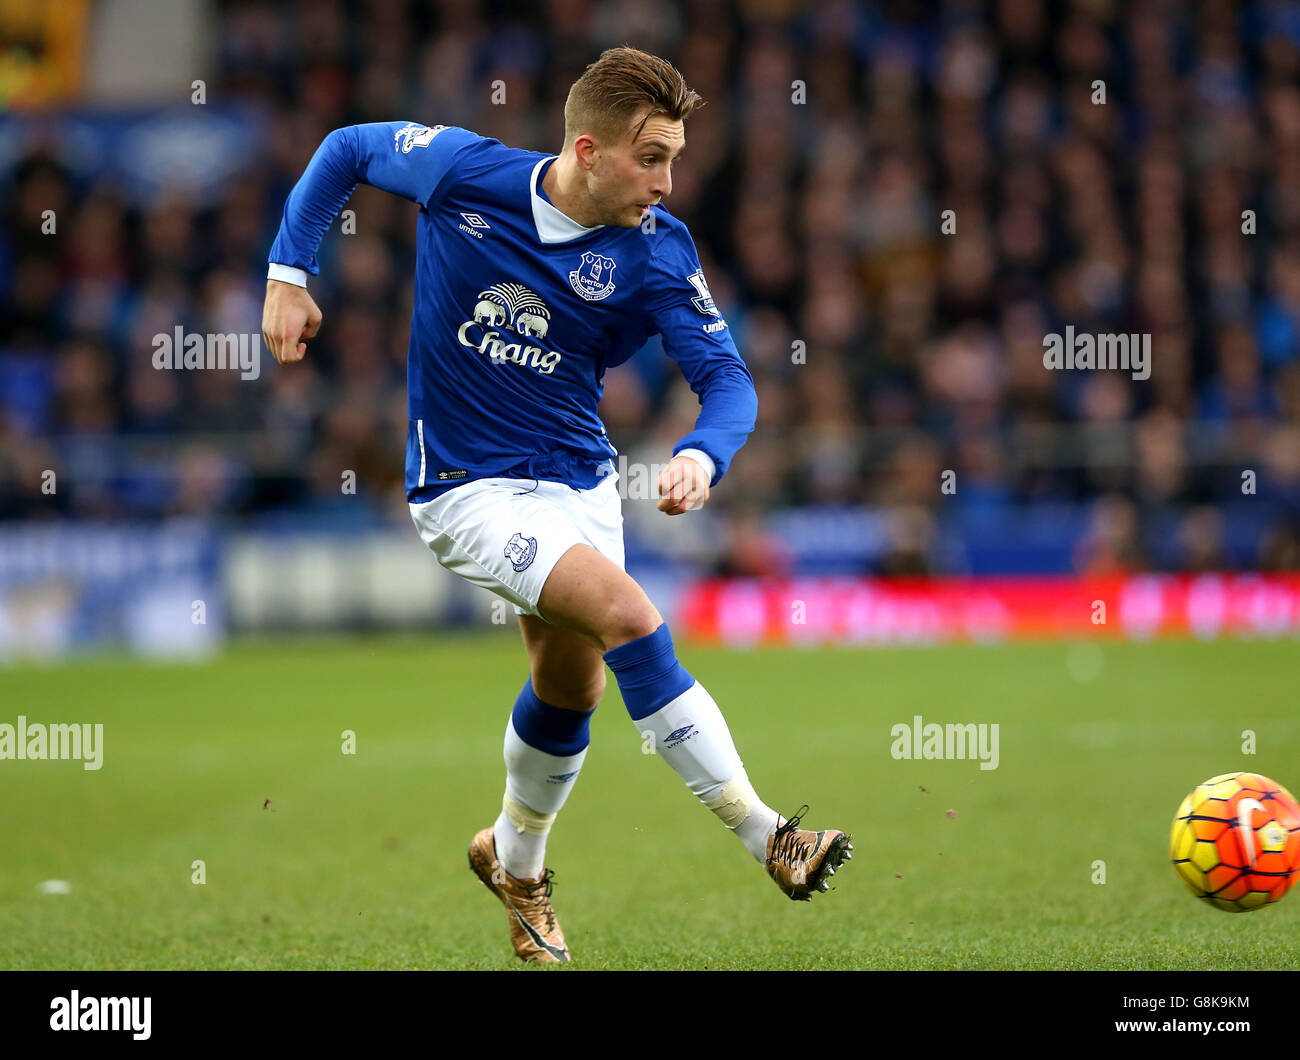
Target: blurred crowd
point(894, 204)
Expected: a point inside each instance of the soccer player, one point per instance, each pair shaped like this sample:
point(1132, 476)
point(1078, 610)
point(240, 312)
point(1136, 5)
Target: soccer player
point(536, 273)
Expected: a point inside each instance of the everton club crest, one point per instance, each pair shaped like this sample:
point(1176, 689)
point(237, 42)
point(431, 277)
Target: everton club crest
point(594, 278)
point(520, 551)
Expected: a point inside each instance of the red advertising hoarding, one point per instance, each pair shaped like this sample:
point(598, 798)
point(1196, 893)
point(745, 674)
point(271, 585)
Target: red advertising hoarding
point(924, 610)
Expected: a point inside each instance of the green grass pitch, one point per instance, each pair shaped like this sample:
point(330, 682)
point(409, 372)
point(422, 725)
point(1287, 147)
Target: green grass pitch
point(358, 861)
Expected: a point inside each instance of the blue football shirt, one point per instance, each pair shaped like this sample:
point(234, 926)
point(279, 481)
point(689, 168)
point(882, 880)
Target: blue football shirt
point(519, 310)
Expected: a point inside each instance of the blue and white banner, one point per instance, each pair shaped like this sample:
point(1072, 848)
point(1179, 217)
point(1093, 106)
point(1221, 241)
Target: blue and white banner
point(150, 589)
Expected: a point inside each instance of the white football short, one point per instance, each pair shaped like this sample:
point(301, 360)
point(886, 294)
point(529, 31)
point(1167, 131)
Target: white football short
point(507, 534)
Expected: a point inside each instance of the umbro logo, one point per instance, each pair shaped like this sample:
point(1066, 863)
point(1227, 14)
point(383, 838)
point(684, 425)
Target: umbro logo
point(678, 735)
point(473, 222)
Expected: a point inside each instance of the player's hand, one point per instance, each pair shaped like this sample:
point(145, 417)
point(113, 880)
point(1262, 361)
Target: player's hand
point(683, 486)
point(289, 318)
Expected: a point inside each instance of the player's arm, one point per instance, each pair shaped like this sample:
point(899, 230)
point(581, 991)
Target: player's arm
point(696, 337)
point(401, 157)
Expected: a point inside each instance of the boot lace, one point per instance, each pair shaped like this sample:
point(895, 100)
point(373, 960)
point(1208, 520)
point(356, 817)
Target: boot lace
point(540, 892)
point(787, 847)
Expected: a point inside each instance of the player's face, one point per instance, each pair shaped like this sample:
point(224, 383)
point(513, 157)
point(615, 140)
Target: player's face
point(635, 173)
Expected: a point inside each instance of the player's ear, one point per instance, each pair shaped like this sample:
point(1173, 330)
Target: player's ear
point(586, 148)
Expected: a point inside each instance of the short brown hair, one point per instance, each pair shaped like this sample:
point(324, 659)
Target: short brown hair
point(620, 84)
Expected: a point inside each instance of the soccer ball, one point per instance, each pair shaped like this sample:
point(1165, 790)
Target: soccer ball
point(1236, 841)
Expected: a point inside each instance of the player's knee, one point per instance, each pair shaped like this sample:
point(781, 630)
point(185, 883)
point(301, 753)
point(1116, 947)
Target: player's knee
point(627, 617)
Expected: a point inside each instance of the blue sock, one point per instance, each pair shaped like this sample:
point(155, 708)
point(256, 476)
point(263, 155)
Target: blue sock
point(551, 729)
point(648, 673)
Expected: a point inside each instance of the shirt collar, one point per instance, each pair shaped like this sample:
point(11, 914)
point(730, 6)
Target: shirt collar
point(553, 226)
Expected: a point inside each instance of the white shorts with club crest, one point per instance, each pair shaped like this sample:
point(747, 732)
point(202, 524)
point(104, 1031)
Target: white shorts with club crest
point(507, 534)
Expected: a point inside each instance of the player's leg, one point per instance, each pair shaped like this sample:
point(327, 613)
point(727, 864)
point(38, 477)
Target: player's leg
point(598, 600)
point(546, 740)
point(566, 669)
point(503, 535)
point(603, 604)
point(506, 535)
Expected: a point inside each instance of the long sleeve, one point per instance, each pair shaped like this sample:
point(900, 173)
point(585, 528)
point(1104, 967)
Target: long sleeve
point(697, 338)
point(404, 158)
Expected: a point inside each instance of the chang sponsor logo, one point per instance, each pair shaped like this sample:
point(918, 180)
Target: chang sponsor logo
point(504, 308)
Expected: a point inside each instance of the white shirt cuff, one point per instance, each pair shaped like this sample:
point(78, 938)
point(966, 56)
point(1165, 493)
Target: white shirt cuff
point(700, 457)
point(287, 274)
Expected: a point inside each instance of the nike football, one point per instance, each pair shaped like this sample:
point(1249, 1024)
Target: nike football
point(1236, 841)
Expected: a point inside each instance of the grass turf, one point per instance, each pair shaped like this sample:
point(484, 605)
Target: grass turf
point(358, 861)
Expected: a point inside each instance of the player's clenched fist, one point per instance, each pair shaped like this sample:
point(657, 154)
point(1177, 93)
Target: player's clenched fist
point(289, 318)
point(683, 485)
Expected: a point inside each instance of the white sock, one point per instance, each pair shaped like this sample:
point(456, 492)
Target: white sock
point(691, 735)
point(537, 784)
point(521, 853)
